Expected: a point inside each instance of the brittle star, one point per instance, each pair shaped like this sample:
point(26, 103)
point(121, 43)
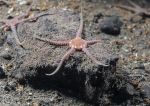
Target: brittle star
point(136, 9)
point(12, 23)
point(75, 44)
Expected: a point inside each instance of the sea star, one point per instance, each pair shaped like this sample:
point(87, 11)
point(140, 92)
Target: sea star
point(75, 44)
point(136, 9)
point(13, 22)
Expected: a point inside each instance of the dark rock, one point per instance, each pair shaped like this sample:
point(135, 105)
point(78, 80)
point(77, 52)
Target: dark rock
point(145, 90)
point(111, 25)
point(2, 73)
point(7, 56)
point(79, 75)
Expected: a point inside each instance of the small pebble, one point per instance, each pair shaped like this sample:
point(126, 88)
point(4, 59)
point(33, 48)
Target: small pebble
point(10, 10)
point(97, 17)
point(35, 104)
point(43, 103)
point(30, 94)
point(6, 54)
point(138, 66)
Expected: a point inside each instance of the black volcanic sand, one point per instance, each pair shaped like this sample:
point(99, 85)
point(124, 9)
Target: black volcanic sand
point(79, 81)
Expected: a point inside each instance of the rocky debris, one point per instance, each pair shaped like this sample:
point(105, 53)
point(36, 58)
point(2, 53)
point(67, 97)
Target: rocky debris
point(111, 25)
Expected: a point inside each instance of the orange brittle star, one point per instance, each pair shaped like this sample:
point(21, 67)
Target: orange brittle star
point(136, 9)
point(12, 23)
point(76, 44)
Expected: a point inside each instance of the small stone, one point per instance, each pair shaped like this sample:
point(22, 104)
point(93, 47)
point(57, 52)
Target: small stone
point(145, 90)
point(2, 39)
point(43, 103)
point(130, 89)
point(139, 66)
point(30, 93)
point(10, 87)
point(2, 73)
point(6, 54)
point(19, 88)
point(22, 2)
point(35, 104)
point(18, 74)
point(97, 17)
point(10, 10)
point(111, 25)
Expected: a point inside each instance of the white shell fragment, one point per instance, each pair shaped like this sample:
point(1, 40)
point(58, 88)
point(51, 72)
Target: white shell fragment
point(22, 2)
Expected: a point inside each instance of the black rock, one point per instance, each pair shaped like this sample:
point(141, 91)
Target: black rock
point(111, 25)
point(125, 93)
point(2, 73)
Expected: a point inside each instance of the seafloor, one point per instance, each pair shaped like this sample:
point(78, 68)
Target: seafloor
point(125, 46)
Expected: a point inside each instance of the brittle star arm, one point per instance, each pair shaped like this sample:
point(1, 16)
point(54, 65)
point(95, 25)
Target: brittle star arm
point(66, 56)
point(3, 26)
point(91, 42)
point(52, 42)
point(136, 8)
point(35, 17)
point(13, 28)
point(126, 7)
point(133, 4)
point(79, 32)
point(93, 58)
